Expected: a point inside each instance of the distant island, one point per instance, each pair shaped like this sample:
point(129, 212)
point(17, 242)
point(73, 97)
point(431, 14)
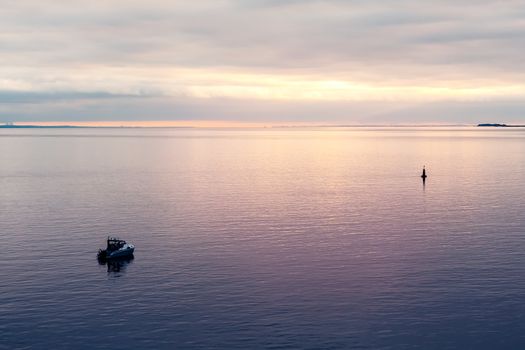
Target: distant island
point(501, 125)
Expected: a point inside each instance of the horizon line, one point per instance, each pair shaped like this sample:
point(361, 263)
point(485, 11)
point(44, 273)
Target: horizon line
point(196, 124)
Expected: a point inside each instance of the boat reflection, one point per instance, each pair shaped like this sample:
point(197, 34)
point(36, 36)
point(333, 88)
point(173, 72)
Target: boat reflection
point(117, 264)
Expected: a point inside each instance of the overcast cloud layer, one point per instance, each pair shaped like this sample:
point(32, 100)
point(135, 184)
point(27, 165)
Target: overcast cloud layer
point(263, 60)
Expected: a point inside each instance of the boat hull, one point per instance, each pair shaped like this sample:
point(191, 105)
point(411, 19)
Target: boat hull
point(120, 253)
point(116, 248)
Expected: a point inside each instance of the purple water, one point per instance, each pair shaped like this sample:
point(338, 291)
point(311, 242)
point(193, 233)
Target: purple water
point(263, 239)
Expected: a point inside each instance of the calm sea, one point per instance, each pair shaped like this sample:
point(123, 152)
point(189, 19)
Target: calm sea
point(263, 239)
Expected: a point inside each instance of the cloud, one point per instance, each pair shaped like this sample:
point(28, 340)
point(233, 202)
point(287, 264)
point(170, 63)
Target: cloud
point(190, 109)
point(289, 51)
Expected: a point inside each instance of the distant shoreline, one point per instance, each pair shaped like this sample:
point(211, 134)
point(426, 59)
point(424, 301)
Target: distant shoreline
point(65, 126)
point(496, 125)
point(9, 126)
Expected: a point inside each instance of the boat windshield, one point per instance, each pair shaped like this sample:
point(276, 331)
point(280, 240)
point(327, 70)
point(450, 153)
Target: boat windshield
point(115, 244)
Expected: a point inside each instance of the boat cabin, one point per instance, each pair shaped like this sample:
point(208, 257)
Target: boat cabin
point(114, 243)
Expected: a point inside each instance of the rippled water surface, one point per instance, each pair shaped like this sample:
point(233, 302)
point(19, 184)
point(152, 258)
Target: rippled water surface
point(263, 239)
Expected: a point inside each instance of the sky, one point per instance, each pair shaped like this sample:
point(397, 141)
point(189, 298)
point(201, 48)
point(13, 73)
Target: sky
point(263, 61)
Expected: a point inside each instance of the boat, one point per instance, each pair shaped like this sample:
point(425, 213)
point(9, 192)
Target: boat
point(116, 248)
